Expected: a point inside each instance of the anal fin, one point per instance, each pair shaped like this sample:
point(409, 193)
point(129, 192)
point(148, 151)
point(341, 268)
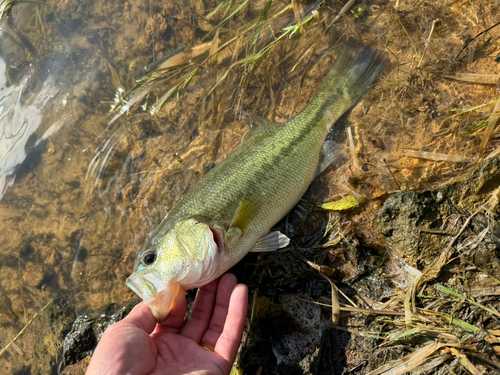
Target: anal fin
point(270, 242)
point(330, 152)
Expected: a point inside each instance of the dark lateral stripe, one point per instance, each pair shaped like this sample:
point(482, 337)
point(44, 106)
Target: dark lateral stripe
point(252, 164)
point(305, 126)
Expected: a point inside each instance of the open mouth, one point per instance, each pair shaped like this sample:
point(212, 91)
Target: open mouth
point(141, 287)
point(132, 284)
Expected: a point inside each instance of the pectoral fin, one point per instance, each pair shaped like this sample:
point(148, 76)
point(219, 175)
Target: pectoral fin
point(330, 152)
point(272, 241)
point(244, 213)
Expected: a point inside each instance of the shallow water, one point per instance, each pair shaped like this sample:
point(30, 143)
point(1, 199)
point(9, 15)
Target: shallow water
point(79, 196)
point(71, 215)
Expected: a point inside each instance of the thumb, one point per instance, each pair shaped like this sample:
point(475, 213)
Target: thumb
point(141, 317)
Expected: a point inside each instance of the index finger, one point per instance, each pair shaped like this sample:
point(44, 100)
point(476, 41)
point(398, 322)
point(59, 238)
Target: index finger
point(203, 306)
point(218, 316)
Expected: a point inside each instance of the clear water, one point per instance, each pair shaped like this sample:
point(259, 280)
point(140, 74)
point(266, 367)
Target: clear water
point(78, 197)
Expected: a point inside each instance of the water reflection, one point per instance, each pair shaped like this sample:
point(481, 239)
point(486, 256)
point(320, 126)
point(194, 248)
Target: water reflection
point(19, 121)
point(78, 198)
point(49, 253)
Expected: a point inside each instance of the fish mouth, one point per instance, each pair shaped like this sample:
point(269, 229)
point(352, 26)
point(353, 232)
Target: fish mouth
point(142, 288)
point(160, 302)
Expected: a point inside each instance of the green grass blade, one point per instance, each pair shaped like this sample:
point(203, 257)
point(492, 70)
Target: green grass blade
point(262, 18)
point(236, 11)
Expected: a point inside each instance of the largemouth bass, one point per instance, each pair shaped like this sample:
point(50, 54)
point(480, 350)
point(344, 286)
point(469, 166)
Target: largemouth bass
point(231, 210)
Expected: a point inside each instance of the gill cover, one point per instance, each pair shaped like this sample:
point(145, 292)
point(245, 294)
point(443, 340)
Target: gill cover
point(186, 257)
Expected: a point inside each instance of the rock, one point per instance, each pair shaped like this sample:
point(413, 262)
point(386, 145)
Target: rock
point(418, 225)
point(80, 342)
point(87, 330)
point(331, 358)
point(405, 219)
point(485, 256)
point(292, 347)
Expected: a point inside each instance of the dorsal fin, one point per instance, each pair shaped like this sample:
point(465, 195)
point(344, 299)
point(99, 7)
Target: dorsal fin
point(261, 124)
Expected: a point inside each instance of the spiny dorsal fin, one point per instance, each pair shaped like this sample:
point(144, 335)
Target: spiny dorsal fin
point(261, 124)
point(272, 241)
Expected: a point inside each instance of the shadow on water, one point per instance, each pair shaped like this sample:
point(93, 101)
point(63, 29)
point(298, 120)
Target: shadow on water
point(32, 160)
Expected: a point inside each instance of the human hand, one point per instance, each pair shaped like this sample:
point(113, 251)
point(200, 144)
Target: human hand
point(137, 345)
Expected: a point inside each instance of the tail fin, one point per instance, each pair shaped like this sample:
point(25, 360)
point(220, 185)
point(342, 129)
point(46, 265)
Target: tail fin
point(353, 72)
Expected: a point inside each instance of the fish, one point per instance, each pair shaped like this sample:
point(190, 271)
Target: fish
point(232, 209)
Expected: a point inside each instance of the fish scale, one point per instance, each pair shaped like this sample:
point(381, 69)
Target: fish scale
point(233, 207)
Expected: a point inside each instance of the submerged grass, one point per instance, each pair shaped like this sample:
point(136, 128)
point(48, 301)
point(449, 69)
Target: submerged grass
point(175, 74)
point(12, 342)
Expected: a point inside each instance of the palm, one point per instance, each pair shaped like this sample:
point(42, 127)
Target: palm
point(182, 355)
point(137, 345)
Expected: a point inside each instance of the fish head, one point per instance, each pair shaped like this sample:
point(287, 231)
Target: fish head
point(185, 257)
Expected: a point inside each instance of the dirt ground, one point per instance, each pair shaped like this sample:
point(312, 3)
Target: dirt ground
point(86, 197)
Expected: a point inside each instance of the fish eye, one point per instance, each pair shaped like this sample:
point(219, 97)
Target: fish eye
point(149, 258)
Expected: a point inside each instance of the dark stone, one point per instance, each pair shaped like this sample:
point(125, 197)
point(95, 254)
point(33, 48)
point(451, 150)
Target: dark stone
point(148, 130)
point(417, 225)
point(402, 219)
point(486, 256)
point(87, 330)
point(75, 238)
point(80, 342)
point(49, 17)
point(9, 261)
point(331, 358)
point(81, 254)
point(26, 370)
point(51, 280)
point(26, 251)
point(75, 184)
point(32, 160)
